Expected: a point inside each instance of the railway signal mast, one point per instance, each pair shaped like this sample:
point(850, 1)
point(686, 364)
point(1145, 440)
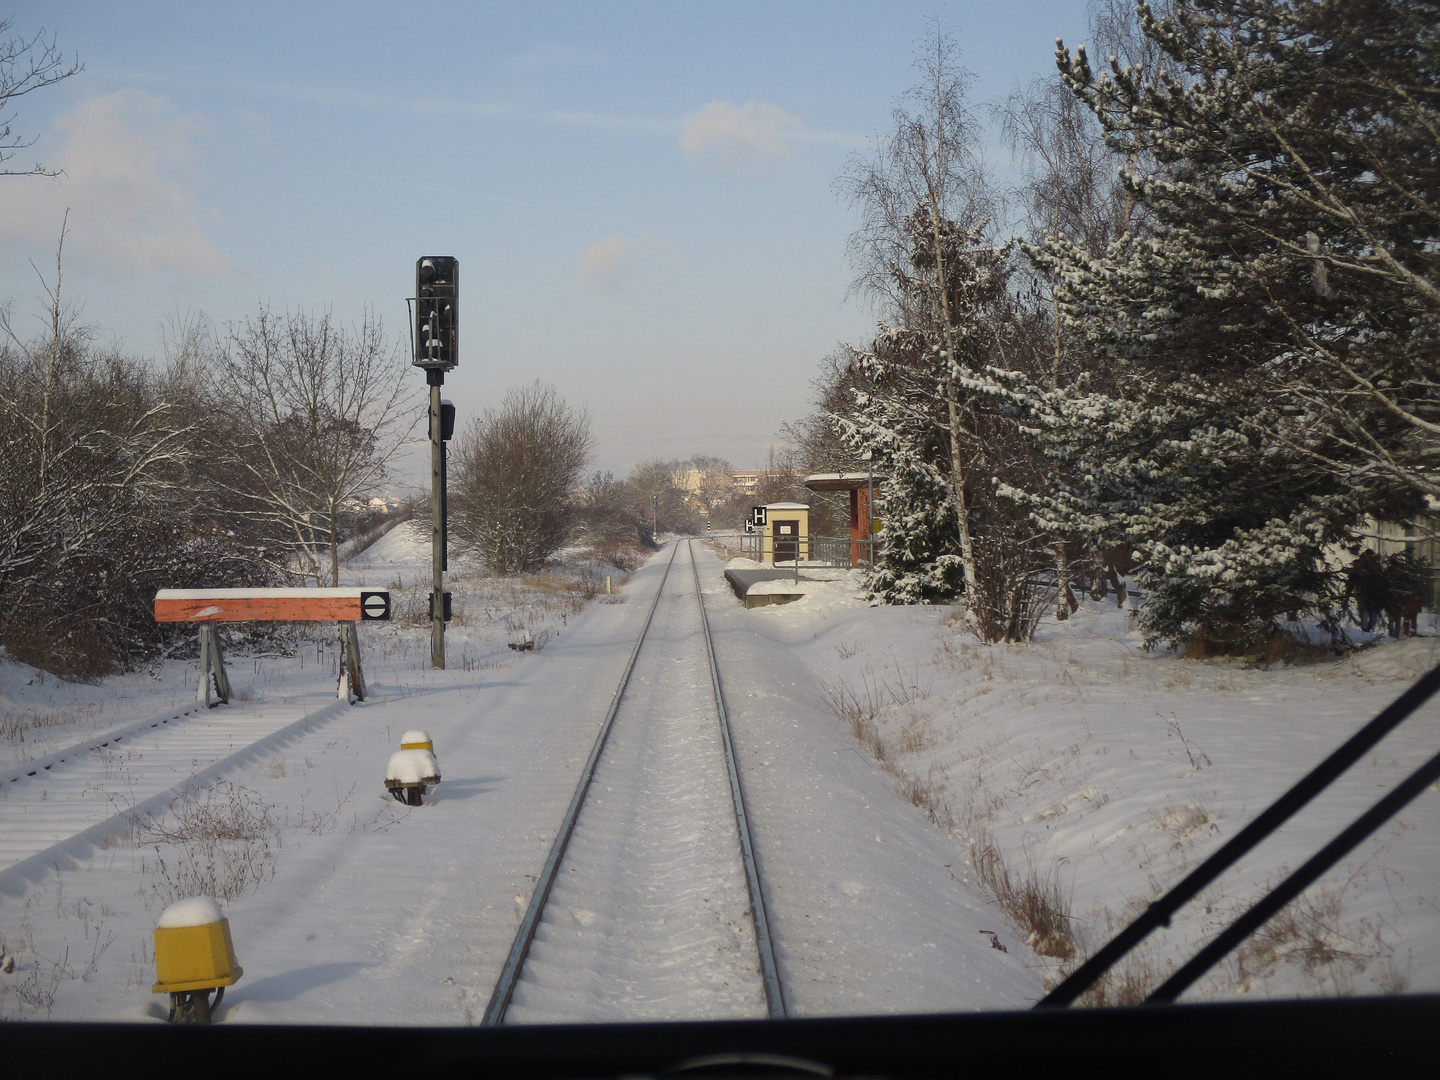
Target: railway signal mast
point(437, 350)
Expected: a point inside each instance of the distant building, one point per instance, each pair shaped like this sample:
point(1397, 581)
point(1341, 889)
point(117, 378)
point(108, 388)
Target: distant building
point(690, 481)
point(747, 482)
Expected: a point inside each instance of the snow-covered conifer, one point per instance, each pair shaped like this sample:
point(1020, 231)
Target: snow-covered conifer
point(1269, 346)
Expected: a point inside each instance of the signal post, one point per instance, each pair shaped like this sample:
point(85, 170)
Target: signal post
point(437, 350)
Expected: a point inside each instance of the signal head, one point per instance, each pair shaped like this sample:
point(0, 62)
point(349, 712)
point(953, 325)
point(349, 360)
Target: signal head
point(437, 312)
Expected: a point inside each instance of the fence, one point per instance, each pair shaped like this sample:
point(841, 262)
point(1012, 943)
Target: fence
point(842, 551)
point(838, 551)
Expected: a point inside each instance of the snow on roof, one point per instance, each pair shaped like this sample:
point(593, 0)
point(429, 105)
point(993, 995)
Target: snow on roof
point(839, 481)
point(787, 506)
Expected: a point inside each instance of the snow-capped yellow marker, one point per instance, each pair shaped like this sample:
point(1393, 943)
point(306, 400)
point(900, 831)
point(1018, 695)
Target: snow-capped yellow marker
point(412, 770)
point(193, 956)
point(416, 740)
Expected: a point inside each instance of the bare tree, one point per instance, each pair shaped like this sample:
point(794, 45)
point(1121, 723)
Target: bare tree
point(660, 498)
point(94, 488)
point(1070, 188)
point(26, 65)
point(708, 480)
point(515, 476)
point(927, 205)
point(605, 512)
point(312, 416)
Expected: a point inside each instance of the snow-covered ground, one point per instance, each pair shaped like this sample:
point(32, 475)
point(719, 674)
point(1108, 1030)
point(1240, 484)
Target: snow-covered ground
point(1096, 774)
point(882, 749)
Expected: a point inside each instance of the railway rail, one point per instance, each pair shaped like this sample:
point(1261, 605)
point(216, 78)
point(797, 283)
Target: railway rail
point(68, 804)
point(663, 760)
point(657, 830)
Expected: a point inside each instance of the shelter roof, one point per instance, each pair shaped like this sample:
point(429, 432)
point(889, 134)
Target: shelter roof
point(839, 481)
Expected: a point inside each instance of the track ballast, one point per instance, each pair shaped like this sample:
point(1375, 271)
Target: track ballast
point(650, 905)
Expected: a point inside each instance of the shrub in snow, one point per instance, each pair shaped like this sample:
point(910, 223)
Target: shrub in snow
point(515, 472)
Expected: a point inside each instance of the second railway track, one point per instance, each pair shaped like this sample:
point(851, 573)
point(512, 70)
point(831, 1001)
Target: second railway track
point(101, 788)
point(651, 904)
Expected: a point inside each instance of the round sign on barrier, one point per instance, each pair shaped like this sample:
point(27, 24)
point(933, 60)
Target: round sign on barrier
point(375, 605)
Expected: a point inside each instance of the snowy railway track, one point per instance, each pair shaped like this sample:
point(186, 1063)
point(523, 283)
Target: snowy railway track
point(65, 806)
point(650, 904)
point(18, 771)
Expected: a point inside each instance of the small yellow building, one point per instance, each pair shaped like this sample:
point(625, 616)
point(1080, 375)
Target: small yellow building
point(786, 535)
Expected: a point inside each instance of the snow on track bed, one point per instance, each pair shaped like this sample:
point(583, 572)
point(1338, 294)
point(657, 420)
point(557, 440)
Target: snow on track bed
point(368, 912)
point(649, 917)
point(88, 795)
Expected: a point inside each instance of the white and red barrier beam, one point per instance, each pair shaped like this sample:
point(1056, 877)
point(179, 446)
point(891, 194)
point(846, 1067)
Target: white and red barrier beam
point(272, 605)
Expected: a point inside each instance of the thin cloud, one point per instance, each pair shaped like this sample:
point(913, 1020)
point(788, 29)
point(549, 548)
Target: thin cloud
point(129, 183)
point(478, 194)
point(748, 139)
point(373, 101)
point(605, 264)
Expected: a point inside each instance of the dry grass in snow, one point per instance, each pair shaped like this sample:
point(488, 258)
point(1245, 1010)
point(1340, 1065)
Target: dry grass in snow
point(1083, 777)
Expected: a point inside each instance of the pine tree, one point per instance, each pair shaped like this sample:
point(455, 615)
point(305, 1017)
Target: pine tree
point(1270, 347)
point(897, 419)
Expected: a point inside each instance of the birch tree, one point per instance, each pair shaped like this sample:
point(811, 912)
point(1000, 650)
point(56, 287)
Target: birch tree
point(927, 256)
point(26, 65)
point(924, 199)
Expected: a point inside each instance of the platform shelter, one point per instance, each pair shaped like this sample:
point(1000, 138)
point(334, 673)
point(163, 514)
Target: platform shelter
point(863, 526)
point(786, 535)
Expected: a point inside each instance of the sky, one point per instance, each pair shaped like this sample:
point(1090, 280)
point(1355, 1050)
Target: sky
point(641, 195)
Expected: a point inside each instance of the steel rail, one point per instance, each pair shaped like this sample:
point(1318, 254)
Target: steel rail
point(520, 949)
point(21, 769)
point(16, 878)
point(769, 971)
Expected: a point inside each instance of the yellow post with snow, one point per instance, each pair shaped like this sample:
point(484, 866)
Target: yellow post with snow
point(195, 958)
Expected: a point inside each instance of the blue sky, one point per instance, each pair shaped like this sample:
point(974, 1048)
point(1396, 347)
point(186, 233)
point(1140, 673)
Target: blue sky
point(640, 194)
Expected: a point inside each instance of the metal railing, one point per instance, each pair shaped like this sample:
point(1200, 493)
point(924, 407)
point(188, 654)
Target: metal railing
point(842, 551)
point(837, 551)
